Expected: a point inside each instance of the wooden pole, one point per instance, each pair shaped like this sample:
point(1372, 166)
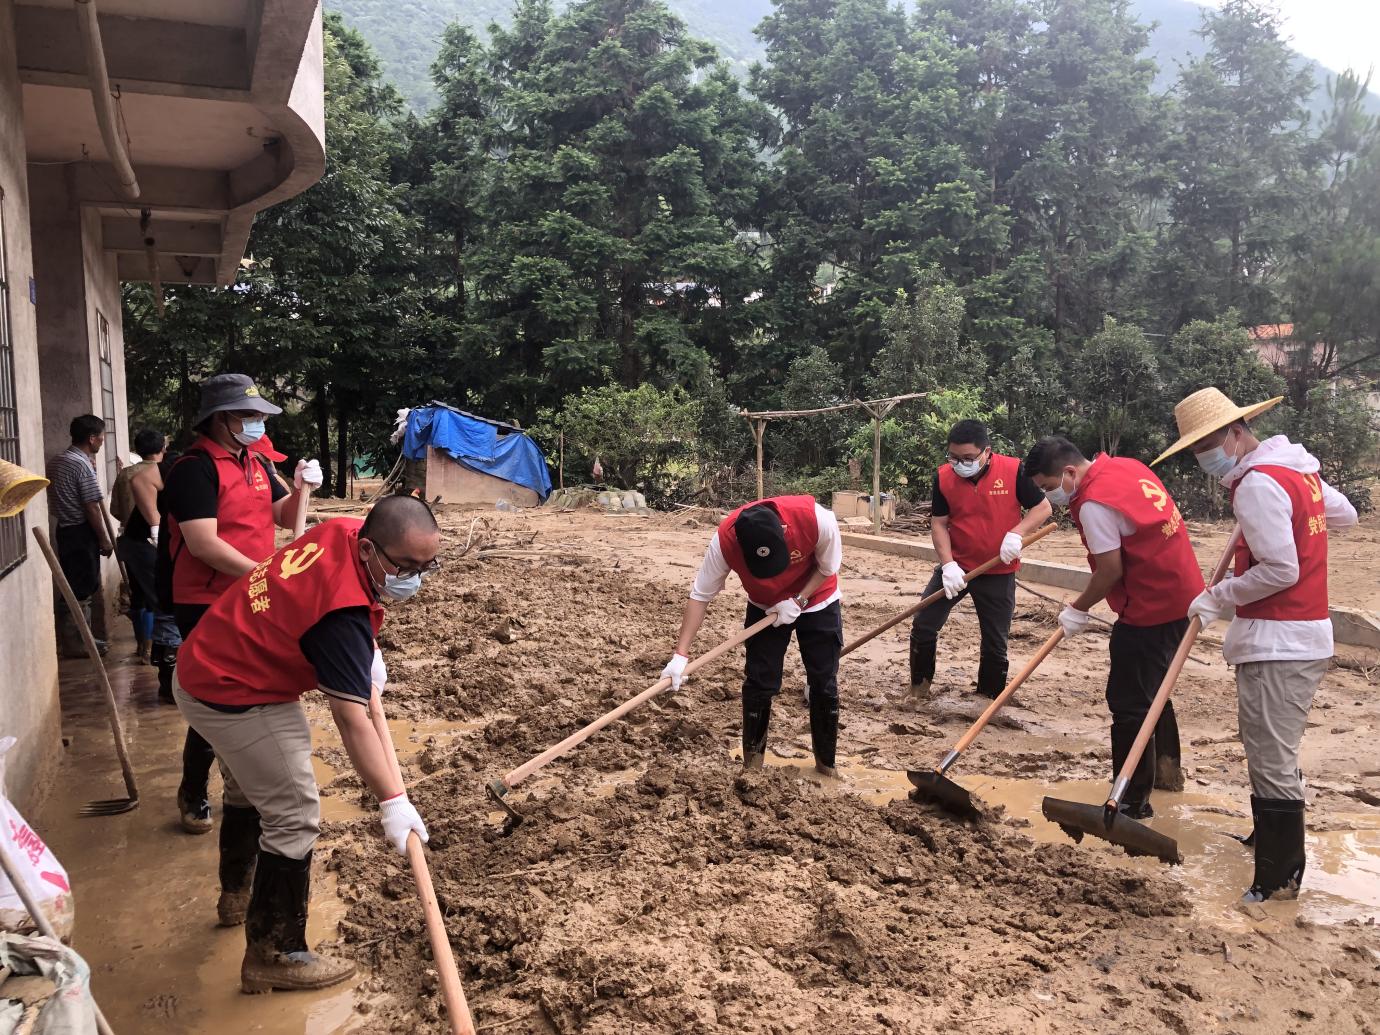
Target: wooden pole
point(561, 467)
point(759, 427)
point(876, 473)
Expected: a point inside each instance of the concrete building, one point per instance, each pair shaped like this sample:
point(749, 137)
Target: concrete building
point(138, 138)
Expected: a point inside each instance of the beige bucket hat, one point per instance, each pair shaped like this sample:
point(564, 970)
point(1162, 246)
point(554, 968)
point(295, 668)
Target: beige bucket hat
point(17, 488)
point(1208, 410)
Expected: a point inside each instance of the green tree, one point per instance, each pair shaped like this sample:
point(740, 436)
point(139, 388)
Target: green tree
point(925, 348)
point(1117, 381)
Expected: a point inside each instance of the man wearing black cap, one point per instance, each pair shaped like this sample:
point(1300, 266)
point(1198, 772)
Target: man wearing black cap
point(221, 506)
point(787, 552)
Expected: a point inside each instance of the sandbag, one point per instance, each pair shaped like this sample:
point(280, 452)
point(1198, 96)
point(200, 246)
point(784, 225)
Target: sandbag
point(37, 866)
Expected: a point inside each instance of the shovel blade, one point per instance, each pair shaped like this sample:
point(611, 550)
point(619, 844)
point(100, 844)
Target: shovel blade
point(497, 790)
point(1077, 819)
point(939, 789)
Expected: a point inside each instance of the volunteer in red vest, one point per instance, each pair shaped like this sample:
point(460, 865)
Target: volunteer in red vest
point(787, 552)
point(305, 617)
point(222, 506)
point(976, 514)
point(1144, 567)
point(1280, 637)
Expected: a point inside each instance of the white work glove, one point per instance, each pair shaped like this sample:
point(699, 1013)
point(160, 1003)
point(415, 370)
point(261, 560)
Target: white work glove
point(675, 670)
point(378, 671)
point(308, 473)
point(399, 820)
point(1011, 548)
point(1073, 621)
point(153, 535)
point(1209, 609)
point(786, 612)
point(953, 580)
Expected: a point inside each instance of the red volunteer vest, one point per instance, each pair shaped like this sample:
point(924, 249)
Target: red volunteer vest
point(1305, 600)
point(1160, 574)
point(802, 536)
point(245, 650)
point(244, 519)
point(981, 514)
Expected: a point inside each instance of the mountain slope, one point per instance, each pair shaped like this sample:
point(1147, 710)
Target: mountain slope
point(405, 34)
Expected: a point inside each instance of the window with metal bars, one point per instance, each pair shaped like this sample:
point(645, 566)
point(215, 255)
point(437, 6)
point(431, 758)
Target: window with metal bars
point(13, 542)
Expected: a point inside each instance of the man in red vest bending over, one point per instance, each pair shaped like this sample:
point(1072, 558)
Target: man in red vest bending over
point(305, 618)
point(1280, 638)
point(787, 552)
point(1144, 567)
point(976, 514)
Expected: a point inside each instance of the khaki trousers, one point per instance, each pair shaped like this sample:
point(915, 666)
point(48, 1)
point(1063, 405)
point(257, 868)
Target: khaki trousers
point(1272, 703)
point(265, 758)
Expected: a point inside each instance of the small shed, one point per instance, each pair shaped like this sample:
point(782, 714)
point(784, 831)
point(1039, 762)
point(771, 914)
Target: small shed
point(472, 459)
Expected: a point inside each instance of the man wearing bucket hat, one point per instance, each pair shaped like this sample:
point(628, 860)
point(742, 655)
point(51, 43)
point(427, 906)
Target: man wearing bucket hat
point(1280, 637)
point(1144, 567)
point(787, 552)
point(221, 507)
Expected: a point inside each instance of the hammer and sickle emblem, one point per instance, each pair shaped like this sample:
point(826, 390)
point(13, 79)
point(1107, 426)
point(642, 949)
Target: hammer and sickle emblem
point(1154, 493)
point(296, 561)
point(1314, 484)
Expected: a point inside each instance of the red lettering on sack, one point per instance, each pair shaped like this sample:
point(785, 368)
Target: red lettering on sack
point(56, 879)
point(27, 842)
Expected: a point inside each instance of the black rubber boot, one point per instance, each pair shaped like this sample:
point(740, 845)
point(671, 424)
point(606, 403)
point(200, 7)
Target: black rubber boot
point(193, 805)
point(1249, 839)
point(275, 931)
point(991, 678)
point(165, 659)
point(824, 731)
point(922, 662)
point(1279, 849)
point(756, 719)
point(1136, 801)
point(239, 851)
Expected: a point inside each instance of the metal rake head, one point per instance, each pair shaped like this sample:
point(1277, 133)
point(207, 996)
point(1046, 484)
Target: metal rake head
point(109, 807)
point(497, 790)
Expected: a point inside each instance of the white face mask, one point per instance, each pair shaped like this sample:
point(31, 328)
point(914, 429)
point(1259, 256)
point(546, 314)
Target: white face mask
point(967, 468)
point(1059, 497)
point(250, 432)
point(1217, 461)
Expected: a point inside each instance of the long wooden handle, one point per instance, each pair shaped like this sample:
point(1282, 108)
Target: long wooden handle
point(525, 770)
point(299, 523)
point(1005, 695)
point(914, 609)
point(1171, 676)
point(457, 1007)
point(116, 726)
point(110, 533)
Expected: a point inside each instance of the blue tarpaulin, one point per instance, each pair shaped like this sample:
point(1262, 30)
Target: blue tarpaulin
point(477, 444)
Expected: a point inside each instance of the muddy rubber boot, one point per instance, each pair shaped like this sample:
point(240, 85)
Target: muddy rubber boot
point(1169, 771)
point(824, 732)
point(1169, 774)
point(1249, 839)
point(193, 806)
point(1279, 849)
point(991, 678)
point(275, 932)
point(756, 719)
point(1136, 802)
point(165, 660)
point(922, 661)
point(239, 851)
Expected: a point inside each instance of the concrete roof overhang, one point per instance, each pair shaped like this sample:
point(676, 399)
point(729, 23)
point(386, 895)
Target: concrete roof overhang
point(222, 106)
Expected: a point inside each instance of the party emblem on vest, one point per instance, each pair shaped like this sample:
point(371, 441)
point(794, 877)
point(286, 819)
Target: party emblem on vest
point(1154, 493)
point(295, 562)
point(1314, 484)
point(795, 556)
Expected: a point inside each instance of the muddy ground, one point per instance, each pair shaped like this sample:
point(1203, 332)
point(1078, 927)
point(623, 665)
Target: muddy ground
point(656, 888)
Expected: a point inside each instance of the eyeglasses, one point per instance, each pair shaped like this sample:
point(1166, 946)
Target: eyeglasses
point(430, 568)
point(963, 459)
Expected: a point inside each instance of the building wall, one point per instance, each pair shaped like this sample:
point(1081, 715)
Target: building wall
point(28, 655)
point(456, 483)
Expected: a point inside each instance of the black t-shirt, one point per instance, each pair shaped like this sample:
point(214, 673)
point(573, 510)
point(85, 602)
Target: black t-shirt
point(1028, 494)
point(192, 489)
point(341, 648)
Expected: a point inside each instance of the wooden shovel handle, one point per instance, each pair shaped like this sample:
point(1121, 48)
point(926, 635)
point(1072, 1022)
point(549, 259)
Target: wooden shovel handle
point(110, 534)
point(112, 709)
point(914, 609)
point(1005, 695)
point(525, 770)
point(1171, 676)
point(299, 523)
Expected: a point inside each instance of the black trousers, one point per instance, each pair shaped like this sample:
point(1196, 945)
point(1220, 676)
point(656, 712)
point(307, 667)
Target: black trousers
point(141, 558)
point(994, 599)
point(819, 636)
point(79, 557)
point(197, 754)
point(1140, 656)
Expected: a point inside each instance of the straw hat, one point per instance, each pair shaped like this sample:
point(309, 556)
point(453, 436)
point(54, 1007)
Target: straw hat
point(1208, 410)
point(17, 487)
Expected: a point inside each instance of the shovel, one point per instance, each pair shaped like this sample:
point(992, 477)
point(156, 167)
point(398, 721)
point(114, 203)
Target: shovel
point(1106, 821)
point(933, 785)
point(498, 789)
point(110, 806)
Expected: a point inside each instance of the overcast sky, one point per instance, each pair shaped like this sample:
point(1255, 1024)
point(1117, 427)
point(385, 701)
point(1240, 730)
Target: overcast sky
point(1340, 33)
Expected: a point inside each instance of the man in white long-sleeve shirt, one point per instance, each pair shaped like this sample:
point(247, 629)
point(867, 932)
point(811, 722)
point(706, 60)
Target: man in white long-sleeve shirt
point(1280, 638)
point(787, 552)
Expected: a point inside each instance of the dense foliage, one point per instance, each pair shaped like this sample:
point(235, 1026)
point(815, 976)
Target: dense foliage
point(599, 228)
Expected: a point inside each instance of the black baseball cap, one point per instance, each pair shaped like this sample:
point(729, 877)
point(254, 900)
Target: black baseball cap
point(762, 538)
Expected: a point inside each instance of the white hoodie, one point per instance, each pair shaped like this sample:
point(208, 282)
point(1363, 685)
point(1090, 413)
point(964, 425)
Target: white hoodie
point(1266, 515)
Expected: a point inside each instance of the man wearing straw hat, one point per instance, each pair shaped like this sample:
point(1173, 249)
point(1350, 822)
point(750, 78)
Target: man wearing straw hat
point(1144, 567)
point(1280, 637)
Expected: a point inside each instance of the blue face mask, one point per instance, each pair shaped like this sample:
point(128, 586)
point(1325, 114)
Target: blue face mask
point(250, 432)
point(1216, 461)
point(967, 468)
point(395, 587)
point(1059, 497)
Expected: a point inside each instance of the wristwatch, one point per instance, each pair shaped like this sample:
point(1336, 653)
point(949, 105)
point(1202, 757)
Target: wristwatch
point(803, 601)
